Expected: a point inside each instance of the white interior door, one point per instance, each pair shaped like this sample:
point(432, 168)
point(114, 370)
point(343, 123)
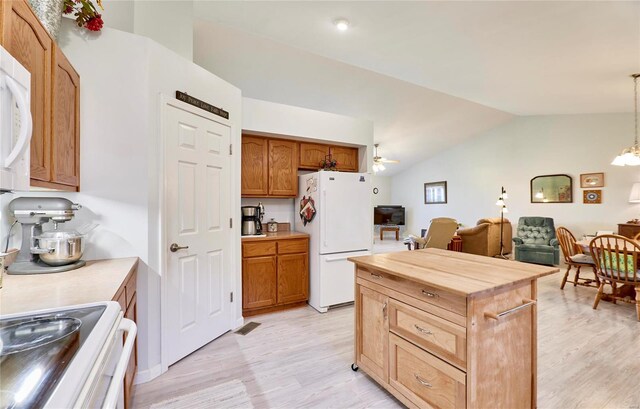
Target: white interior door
point(197, 195)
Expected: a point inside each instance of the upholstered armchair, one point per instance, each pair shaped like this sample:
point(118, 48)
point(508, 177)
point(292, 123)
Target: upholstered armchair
point(484, 238)
point(536, 241)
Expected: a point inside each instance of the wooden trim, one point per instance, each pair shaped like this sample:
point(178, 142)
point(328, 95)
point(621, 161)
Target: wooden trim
point(54, 186)
point(282, 307)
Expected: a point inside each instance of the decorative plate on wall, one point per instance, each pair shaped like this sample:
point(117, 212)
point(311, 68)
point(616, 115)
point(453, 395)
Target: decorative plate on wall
point(592, 196)
point(588, 180)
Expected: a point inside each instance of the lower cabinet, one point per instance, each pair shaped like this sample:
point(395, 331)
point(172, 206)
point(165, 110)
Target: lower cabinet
point(429, 353)
point(128, 300)
point(275, 274)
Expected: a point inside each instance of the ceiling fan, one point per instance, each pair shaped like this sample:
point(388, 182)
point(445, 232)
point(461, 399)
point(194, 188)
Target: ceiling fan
point(379, 161)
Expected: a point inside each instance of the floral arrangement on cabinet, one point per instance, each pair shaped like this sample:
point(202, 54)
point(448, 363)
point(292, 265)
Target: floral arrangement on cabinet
point(328, 163)
point(85, 12)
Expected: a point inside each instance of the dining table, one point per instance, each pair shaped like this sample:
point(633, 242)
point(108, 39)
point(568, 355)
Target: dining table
point(622, 291)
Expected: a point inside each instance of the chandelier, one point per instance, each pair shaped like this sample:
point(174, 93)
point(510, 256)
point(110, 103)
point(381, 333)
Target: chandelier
point(631, 155)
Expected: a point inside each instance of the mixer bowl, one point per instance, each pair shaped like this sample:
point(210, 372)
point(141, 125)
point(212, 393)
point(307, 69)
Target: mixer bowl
point(58, 248)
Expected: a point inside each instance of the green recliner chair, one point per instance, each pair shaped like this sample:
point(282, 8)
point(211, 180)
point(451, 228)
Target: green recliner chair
point(536, 241)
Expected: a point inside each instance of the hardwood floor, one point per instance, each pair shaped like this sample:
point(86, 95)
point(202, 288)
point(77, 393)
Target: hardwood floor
point(300, 359)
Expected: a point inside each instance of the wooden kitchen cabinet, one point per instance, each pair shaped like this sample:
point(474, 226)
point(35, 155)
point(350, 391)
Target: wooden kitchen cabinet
point(283, 168)
point(464, 338)
point(293, 278)
point(126, 296)
point(275, 273)
point(254, 171)
point(346, 157)
point(311, 155)
point(55, 97)
point(259, 282)
point(65, 137)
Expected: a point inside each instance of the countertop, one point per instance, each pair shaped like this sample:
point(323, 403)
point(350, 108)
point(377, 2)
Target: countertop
point(458, 273)
point(97, 281)
point(281, 235)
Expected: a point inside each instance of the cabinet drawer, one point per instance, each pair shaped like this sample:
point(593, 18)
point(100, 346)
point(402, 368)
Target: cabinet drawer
point(443, 338)
point(424, 379)
point(258, 249)
point(130, 287)
point(293, 246)
point(440, 298)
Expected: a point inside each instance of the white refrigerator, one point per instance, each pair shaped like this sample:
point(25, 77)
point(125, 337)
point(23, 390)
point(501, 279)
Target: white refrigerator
point(335, 209)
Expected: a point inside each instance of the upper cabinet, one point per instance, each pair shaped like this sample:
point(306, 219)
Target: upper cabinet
point(283, 168)
point(255, 154)
point(55, 97)
point(311, 154)
point(347, 158)
point(269, 167)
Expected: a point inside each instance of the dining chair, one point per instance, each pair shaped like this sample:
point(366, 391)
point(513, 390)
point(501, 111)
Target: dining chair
point(575, 257)
point(616, 263)
point(440, 233)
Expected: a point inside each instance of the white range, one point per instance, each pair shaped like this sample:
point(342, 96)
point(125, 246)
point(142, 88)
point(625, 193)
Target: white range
point(335, 209)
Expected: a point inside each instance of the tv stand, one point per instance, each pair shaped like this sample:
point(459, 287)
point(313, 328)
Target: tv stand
point(390, 228)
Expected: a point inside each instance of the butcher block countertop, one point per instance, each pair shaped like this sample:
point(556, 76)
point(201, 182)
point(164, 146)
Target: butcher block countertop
point(465, 274)
point(98, 281)
point(281, 235)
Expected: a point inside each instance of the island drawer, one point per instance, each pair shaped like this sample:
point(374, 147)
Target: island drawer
point(424, 379)
point(259, 249)
point(438, 336)
point(293, 246)
point(440, 298)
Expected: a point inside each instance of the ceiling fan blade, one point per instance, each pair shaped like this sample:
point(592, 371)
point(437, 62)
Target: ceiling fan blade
point(385, 160)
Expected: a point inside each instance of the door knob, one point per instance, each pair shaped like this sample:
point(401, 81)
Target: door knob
point(174, 247)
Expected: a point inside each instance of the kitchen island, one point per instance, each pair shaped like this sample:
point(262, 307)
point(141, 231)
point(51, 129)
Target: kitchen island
point(445, 329)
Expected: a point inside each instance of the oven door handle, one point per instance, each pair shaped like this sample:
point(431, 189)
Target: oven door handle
point(128, 327)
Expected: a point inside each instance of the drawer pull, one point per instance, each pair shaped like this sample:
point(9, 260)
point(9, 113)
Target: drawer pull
point(422, 381)
point(496, 316)
point(424, 331)
point(430, 294)
point(375, 275)
point(384, 310)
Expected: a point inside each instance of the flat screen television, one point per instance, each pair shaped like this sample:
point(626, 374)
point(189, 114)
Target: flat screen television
point(389, 215)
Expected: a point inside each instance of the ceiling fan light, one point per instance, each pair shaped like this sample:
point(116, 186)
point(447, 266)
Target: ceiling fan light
point(618, 161)
point(381, 167)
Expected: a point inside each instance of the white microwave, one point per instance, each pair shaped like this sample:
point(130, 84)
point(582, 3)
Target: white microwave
point(15, 124)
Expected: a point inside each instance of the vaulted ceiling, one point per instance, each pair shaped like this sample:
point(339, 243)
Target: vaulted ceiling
point(429, 74)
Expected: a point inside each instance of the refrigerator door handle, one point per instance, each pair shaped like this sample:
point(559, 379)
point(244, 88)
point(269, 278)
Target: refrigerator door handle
point(323, 220)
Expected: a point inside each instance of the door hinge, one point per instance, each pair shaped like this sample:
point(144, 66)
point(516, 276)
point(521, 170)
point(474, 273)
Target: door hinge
point(231, 296)
point(230, 149)
point(231, 222)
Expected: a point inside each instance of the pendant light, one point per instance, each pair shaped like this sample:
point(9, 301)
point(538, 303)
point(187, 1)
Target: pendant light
point(631, 155)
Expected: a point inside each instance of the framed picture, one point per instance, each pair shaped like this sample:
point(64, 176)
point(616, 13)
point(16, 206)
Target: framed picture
point(592, 196)
point(591, 180)
point(552, 189)
point(435, 193)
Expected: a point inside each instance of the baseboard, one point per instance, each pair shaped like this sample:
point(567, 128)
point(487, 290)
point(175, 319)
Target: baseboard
point(148, 374)
point(239, 323)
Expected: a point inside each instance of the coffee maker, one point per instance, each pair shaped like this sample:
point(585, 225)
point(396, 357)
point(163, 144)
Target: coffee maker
point(252, 220)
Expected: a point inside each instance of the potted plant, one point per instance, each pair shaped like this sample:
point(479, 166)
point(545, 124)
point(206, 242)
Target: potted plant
point(328, 163)
point(85, 13)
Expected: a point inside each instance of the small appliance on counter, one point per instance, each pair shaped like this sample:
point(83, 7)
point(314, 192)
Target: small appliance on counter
point(272, 226)
point(252, 220)
point(51, 251)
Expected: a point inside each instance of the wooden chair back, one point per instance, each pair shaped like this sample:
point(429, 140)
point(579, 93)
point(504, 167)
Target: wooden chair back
point(440, 233)
point(637, 237)
point(567, 243)
point(616, 258)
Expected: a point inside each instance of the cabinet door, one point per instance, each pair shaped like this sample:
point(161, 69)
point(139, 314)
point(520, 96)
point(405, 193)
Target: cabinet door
point(259, 281)
point(25, 39)
point(254, 166)
point(311, 154)
point(65, 137)
point(372, 332)
point(130, 374)
point(283, 168)
point(347, 158)
point(293, 278)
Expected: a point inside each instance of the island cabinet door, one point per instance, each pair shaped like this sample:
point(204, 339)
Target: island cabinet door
point(372, 329)
point(259, 282)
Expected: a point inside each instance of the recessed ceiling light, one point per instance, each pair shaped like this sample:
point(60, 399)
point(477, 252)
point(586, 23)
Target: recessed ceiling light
point(341, 24)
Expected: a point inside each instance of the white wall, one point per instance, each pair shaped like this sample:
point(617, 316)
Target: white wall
point(279, 209)
point(513, 153)
point(122, 79)
point(303, 123)
point(383, 183)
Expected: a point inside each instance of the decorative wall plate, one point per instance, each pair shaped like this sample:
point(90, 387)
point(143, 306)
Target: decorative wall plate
point(592, 196)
